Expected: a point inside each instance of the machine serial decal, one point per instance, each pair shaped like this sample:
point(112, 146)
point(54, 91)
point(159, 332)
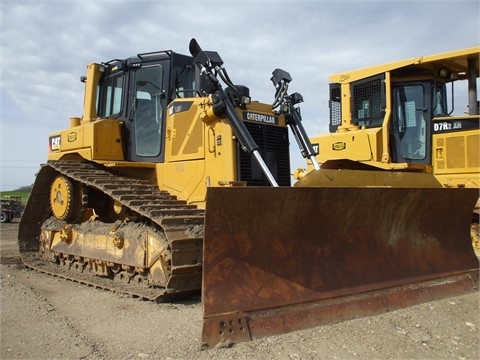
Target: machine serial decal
point(257, 117)
point(455, 125)
point(179, 106)
point(54, 142)
point(446, 125)
point(338, 146)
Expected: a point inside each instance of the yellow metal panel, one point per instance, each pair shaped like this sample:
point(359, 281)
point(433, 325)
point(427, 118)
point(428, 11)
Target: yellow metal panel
point(353, 145)
point(94, 71)
point(72, 138)
point(177, 175)
point(107, 140)
point(184, 137)
point(93, 140)
point(456, 158)
point(221, 155)
point(188, 178)
point(345, 101)
point(188, 137)
point(457, 59)
point(455, 151)
point(473, 150)
point(383, 142)
point(73, 154)
point(183, 172)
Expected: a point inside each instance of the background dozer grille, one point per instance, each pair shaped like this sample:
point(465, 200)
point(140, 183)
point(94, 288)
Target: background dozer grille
point(368, 101)
point(335, 107)
point(273, 145)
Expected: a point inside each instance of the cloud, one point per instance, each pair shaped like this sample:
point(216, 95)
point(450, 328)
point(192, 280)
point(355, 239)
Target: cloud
point(23, 145)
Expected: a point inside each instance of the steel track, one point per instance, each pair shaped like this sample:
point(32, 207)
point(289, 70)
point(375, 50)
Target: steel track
point(181, 223)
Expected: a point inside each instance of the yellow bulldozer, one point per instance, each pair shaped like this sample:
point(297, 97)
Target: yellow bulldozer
point(172, 183)
point(398, 117)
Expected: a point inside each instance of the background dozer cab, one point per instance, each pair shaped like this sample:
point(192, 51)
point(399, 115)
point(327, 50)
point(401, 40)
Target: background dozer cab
point(398, 117)
point(146, 191)
point(406, 117)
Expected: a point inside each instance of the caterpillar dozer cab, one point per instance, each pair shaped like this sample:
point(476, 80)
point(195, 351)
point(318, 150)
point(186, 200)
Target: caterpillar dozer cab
point(170, 183)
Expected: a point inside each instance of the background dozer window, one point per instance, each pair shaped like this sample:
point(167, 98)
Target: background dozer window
point(409, 142)
point(368, 105)
point(335, 105)
point(439, 101)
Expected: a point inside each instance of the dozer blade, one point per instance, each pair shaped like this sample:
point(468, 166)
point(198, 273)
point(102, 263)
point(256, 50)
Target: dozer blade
point(282, 259)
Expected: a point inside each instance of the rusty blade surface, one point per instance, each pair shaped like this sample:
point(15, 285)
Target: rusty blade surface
point(279, 259)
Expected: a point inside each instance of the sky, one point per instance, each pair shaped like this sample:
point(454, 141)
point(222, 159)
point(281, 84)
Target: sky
point(45, 46)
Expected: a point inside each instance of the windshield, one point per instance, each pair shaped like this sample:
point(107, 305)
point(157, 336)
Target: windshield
point(184, 81)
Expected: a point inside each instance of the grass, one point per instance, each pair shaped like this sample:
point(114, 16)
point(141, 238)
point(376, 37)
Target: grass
point(23, 194)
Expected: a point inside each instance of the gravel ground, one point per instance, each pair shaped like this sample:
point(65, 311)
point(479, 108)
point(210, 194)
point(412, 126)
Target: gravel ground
point(44, 317)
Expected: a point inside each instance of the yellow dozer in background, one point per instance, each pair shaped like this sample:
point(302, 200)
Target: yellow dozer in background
point(398, 117)
point(170, 184)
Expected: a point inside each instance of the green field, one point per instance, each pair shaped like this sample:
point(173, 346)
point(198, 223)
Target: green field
point(23, 194)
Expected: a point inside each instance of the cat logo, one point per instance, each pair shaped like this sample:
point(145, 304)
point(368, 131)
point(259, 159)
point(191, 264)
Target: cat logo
point(54, 143)
point(72, 137)
point(338, 146)
point(263, 118)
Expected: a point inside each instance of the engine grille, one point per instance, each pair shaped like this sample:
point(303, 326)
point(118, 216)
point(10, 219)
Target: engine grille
point(273, 145)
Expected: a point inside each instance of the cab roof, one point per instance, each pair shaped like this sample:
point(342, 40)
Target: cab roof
point(455, 62)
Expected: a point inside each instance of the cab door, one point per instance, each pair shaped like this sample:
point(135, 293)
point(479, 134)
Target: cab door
point(411, 126)
point(145, 123)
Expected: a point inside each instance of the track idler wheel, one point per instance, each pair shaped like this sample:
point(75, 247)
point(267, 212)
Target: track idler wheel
point(66, 199)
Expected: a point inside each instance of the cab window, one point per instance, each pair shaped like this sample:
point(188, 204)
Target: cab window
point(439, 101)
point(409, 120)
point(110, 96)
point(368, 101)
point(184, 81)
point(148, 116)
